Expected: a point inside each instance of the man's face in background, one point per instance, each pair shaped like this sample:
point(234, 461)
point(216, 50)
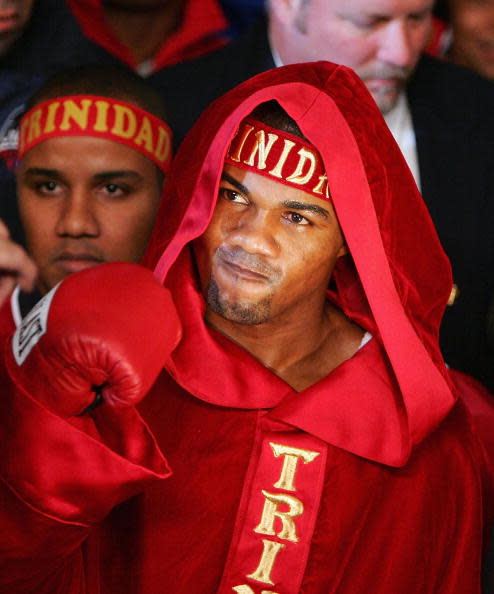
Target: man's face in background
point(473, 34)
point(84, 201)
point(380, 39)
point(14, 16)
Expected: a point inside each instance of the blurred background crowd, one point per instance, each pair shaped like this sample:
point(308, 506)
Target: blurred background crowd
point(427, 66)
point(406, 51)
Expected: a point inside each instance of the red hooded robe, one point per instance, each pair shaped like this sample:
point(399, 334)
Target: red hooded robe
point(371, 480)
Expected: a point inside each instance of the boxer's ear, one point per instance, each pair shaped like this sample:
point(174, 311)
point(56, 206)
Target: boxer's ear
point(342, 251)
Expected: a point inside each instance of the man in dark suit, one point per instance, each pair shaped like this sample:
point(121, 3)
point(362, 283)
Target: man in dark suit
point(442, 118)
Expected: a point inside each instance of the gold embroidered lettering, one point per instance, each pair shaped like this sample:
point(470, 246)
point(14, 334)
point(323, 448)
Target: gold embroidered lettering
point(125, 123)
point(298, 176)
point(270, 552)
point(145, 134)
point(34, 125)
point(77, 113)
point(50, 117)
point(236, 155)
point(163, 145)
point(248, 590)
point(101, 123)
point(291, 457)
point(277, 169)
point(271, 512)
point(261, 149)
point(322, 186)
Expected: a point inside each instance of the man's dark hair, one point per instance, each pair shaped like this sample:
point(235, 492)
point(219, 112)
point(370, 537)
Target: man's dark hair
point(272, 114)
point(114, 82)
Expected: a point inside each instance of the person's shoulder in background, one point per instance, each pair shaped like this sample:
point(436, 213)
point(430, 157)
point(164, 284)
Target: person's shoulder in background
point(436, 79)
point(51, 41)
point(189, 87)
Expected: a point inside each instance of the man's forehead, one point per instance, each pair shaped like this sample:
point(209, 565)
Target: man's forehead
point(96, 151)
point(399, 7)
point(279, 156)
point(378, 8)
point(272, 193)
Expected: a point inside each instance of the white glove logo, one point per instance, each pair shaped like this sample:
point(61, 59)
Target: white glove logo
point(32, 328)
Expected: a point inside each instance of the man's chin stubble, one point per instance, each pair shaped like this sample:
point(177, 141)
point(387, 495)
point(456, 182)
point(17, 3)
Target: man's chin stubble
point(249, 314)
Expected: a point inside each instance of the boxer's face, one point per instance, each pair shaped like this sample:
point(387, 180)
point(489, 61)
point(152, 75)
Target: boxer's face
point(14, 15)
point(269, 250)
point(84, 201)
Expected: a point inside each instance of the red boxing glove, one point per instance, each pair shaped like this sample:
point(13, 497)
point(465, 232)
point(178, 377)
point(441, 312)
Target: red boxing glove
point(109, 327)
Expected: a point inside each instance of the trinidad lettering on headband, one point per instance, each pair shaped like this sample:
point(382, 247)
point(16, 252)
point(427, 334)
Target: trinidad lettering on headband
point(279, 155)
point(102, 117)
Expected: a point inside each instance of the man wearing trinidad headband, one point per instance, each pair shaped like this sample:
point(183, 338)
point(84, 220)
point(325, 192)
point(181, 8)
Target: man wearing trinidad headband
point(315, 439)
point(93, 151)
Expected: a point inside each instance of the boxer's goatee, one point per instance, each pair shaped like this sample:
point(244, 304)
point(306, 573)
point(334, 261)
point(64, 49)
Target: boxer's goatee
point(249, 314)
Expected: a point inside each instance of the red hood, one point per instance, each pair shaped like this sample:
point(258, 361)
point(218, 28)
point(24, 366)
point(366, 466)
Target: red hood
point(396, 283)
point(202, 30)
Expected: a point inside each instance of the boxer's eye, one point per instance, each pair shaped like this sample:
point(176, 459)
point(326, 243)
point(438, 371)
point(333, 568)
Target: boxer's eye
point(232, 196)
point(47, 187)
point(115, 190)
point(296, 218)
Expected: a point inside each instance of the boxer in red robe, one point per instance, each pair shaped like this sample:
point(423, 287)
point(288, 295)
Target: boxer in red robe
point(315, 439)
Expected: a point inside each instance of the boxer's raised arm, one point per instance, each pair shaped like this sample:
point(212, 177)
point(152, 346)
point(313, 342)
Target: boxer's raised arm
point(68, 459)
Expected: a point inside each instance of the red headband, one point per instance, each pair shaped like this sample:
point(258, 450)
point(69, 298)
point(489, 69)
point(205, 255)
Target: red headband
point(102, 117)
point(279, 155)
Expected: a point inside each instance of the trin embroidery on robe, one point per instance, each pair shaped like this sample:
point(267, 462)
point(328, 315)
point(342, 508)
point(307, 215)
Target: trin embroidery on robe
point(277, 513)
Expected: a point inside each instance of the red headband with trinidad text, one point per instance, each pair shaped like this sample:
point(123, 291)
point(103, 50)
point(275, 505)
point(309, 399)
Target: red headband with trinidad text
point(279, 155)
point(102, 117)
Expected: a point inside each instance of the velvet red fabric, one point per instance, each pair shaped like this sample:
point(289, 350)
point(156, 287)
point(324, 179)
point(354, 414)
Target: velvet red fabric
point(8, 321)
point(372, 480)
point(396, 282)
